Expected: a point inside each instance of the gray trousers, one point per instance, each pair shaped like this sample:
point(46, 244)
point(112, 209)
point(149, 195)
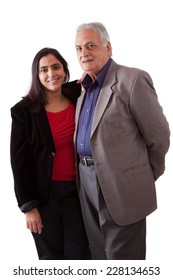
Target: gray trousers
point(108, 240)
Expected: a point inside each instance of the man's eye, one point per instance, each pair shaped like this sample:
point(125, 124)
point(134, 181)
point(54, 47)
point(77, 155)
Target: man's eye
point(91, 46)
point(78, 49)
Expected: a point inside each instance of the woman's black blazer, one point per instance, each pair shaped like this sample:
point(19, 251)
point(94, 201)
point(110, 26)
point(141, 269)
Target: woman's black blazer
point(32, 150)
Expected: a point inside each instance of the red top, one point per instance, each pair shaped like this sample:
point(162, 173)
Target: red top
point(62, 125)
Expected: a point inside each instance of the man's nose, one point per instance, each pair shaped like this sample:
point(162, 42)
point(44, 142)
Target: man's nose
point(84, 52)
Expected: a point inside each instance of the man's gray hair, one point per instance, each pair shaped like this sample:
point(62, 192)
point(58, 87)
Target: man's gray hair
point(97, 27)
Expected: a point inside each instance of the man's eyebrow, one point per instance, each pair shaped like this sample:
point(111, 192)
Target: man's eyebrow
point(90, 42)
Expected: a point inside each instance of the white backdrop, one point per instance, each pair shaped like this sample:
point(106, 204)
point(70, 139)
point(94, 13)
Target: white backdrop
point(141, 36)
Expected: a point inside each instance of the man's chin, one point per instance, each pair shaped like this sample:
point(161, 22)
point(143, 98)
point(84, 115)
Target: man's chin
point(87, 69)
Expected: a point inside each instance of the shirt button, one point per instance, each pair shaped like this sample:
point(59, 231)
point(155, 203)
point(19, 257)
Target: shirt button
point(81, 144)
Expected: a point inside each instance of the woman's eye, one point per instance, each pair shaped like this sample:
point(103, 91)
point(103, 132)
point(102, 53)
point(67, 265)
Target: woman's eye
point(44, 70)
point(56, 67)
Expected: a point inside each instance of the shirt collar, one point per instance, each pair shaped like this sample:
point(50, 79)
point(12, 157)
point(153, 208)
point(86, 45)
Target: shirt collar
point(87, 81)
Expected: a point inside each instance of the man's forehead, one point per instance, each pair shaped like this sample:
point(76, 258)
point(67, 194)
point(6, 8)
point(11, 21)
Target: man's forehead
point(87, 34)
point(84, 43)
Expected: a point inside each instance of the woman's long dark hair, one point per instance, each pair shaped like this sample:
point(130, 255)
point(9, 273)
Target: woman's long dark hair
point(37, 92)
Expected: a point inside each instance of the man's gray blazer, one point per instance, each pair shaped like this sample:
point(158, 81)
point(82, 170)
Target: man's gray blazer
point(129, 140)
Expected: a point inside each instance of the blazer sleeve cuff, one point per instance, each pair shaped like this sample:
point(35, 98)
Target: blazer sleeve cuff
point(28, 206)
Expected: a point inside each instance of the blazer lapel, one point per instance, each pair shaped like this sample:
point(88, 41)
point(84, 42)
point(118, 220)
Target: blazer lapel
point(103, 99)
point(45, 130)
point(78, 109)
point(104, 96)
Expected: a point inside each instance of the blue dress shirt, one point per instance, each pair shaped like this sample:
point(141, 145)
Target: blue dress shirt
point(92, 90)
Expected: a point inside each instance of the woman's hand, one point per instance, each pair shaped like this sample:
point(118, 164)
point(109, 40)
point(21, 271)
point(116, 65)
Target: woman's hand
point(93, 77)
point(33, 221)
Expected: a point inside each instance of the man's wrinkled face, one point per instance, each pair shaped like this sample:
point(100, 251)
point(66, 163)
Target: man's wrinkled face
point(91, 53)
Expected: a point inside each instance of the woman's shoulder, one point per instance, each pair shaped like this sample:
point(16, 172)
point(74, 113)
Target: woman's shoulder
point(72, 91)
point(24, 104)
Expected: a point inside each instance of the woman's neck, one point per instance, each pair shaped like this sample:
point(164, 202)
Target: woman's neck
point(56, 103)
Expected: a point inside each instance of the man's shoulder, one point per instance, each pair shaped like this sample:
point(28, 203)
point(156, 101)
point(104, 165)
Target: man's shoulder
point(128, 70)
point(127, 74)
point(125, 68)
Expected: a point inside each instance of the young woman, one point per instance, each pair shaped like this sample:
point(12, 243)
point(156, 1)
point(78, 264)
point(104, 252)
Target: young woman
point(43, 159)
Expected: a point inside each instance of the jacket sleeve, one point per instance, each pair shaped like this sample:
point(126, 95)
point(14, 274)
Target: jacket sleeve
point(152, 123)
point(21, 160)
point(72, 91)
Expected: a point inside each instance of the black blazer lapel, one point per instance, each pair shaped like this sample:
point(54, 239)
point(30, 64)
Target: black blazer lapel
point(45, 131)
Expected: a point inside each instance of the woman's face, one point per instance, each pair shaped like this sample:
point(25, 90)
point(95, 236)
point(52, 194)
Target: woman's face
point(51, 73)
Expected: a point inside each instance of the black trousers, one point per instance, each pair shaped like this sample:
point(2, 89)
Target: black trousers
point(63, 235)
point(108, 240)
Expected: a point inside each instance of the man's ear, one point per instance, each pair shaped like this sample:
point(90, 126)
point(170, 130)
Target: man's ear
point(109, 49)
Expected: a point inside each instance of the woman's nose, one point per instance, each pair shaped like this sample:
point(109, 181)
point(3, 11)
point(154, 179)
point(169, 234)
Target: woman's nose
point(50, 72)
